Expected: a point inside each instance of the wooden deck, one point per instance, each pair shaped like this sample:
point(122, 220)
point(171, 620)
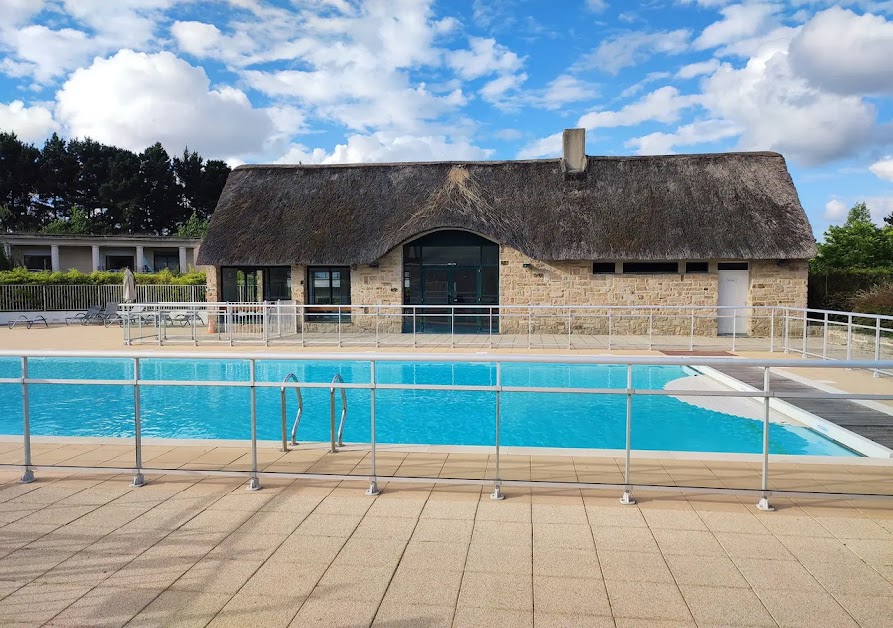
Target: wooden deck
point(872, 424)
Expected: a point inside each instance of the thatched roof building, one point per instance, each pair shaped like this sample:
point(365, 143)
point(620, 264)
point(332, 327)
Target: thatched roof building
point(717, 206)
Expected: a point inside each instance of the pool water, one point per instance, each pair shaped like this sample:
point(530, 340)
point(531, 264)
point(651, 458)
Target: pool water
point(402, 416)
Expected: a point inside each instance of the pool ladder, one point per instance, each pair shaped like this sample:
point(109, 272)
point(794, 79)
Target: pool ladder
point(337, 438)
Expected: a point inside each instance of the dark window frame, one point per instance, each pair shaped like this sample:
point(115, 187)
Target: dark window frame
point(46, 261)
point(733, 266)
point(699, 267)
point(651, 268)
point(604, 268)
point(329, 311)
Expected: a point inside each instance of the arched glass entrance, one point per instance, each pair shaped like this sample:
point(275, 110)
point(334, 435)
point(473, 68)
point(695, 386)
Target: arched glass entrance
point(451, 268)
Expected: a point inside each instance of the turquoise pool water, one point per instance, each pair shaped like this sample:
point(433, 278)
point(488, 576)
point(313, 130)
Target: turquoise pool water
point(410, 417)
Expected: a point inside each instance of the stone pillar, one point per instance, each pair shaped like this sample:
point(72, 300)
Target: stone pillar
point(54, 258)
point(140, 254)
point(95, 251)
point(183, 265)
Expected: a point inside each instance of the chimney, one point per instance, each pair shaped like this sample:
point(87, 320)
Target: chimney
point(574, 160)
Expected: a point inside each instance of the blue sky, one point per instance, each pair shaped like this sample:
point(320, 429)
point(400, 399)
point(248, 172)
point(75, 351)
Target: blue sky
point(257, 81)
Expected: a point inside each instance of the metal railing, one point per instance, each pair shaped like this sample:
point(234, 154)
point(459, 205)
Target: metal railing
point(811, 333)
point(73, 297)
point(291, 377)
point(497, 388)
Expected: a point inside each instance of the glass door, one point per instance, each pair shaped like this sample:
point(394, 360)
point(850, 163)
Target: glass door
point(435, 291)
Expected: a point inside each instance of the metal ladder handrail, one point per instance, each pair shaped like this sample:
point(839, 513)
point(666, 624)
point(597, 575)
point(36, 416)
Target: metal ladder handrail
point(291, 377)
point(337, 379)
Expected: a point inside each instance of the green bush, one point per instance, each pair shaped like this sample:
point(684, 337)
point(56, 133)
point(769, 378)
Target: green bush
point(44, 278)
point(878, 300)
point(839, 289)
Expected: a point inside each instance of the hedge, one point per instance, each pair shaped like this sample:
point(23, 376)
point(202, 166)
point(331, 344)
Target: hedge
point(21, 276)
point(841, 289)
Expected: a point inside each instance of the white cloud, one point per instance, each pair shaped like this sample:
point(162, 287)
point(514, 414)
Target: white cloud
point(700, 132)
point(597, 6)
point(120, 23)
point(883, 169)
point(135, 99)
point(30, 124)
point(197, 38)
point(661, 105)
point(562, 90)
point(545, 147)
point(845, 53)
point(740, 21)
point(44, 53)
point(835, 210)
point(697, 69)
point(15, 12)
point(880, 207)
point(508, 134)
point(385, 147)
point(498, 90)
point(631, 48)
point(780, 111)
point(482, 58)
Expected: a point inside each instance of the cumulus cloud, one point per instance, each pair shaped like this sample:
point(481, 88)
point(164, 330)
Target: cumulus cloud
point(44, 53)
point(135, 99)
point(698, 69)
point(15, 12)
point(845, 53)
point(562, 90)
point(631, 48)
point(385, 147)
point(197, 38)
point(546, 147)
point(883, 168)
point(482, 58)
point(661, 105)
point(739, 22)
point(835, 210)
point(699, 132)
point(30, 124)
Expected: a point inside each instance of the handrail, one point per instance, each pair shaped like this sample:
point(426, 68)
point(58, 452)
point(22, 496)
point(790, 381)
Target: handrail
point(291, 377)
point(339, 380)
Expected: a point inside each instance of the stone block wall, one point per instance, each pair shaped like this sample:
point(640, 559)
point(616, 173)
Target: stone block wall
point(774, 284)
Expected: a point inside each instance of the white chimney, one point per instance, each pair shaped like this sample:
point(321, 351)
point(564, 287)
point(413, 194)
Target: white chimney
point(574, 160)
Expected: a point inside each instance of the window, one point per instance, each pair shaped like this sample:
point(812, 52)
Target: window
point(170, 261)
point(732, 266)
point(38, 262)
point(328, 286)
point(603, 268)
point(697, 267)
point(651, 267)
point(118, 262)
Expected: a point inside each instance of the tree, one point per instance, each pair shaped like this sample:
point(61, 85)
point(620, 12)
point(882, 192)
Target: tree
point(889, 219)
point(201, 181)
point(858, 243)
point(19, 175)
point(194, 227)
point(78, 223)
point(159, 193)
point(58, 178)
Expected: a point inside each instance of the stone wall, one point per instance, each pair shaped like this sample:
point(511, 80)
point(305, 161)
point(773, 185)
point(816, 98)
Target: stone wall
point(771, 284)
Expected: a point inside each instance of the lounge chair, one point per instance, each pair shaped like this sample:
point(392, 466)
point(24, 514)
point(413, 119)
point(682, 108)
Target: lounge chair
point(110, 314)
point(28, 322)
point(84, 318)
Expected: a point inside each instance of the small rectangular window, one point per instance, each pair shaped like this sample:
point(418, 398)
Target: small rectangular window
point(603, 268)
point(651, 267)
point(732, 266)
point(697, 267)
point(38, 262)
point(328, 286)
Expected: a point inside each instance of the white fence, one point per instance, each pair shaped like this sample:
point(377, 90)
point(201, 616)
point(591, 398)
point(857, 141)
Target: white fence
point(67, 298)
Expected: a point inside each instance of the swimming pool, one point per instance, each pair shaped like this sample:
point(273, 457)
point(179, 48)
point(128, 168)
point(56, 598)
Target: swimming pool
point(564, 420)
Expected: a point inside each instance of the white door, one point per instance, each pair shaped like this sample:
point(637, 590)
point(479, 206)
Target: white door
point(732, 292)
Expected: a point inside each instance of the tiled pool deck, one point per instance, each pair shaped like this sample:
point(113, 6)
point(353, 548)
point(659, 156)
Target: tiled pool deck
point(87, 549)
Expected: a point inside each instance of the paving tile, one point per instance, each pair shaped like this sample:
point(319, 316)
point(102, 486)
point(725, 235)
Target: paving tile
point(734, 522)
point(400, 528)
point(505, 559)
point(38, 602)
point(309, 548)
point(186, 544)
point(574, 596)
point(753, 545)
point(429, 587)
point(444, 530)
point(371, 552)
point(868, 610)
point(317, 524)
point(288, 501)
point(563, 535)
point(566, 562)
point(510, 591)
point(630, 566)
point(105, 606)
point(244, 500)
point(396, 508)
point(346, 582)
point(725, 606)
point(217, 520)
point(85, 568)
point(24, 565)
point(434, 555)
point(854, 578)
point(180, 609)
point(283, 578)
point(450, 509)
point(503, 533)
point(781, 524)
point(269, 611)
point(474, 617)
point(659, 518)
point(806, 609)
point(423, 616)
point(688, 542)
point(565, 620)
point(217, 575)
point(335, 613)
point(339, 504)
point(625, 622)
point(646, 600)
point(59, 515)
point(559, 513)
point(615, 516)
point(247, 545)
point(708, 571)
point(147, 572)
point(272, 522)
point(873, 551)
point(852, 528)
point(624, 539)
point(778, 575)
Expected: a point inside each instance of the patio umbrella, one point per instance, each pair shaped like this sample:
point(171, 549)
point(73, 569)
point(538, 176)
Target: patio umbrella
point(129, 286)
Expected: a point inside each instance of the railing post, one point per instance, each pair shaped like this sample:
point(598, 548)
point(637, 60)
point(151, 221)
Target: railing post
point(772, 330)
point(825, 337)
point(497, 489)
point(787, 330)
point(253, 481)
point(805, 327)
point(373, 479)
point(452, 326)
point(650, 328)
point(413, 327)
point(138, 479)
point(877, 344)
point(377, 315)
point(529, 325)
point(28, 475)
point(284, 424)
point(628, 489)
point(610, 326)
point(228, 317)
point(265, 321)
point(332, 448)
point(734, 328)
point(849, 336)
point(303, 313)
point(764, 504)
point(691, 334)
point(339, 325)
point(569, 326)
point(490, 329)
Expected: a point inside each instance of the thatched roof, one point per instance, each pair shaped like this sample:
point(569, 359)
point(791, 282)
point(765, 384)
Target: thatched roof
point(723, 206)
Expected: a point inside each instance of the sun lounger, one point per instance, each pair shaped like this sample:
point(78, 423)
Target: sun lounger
point(110, 314)
point(84, 318)
point(28, 322)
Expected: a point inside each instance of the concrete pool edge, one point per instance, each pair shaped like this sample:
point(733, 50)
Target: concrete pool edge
point(821, 426)
point(467, 449)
